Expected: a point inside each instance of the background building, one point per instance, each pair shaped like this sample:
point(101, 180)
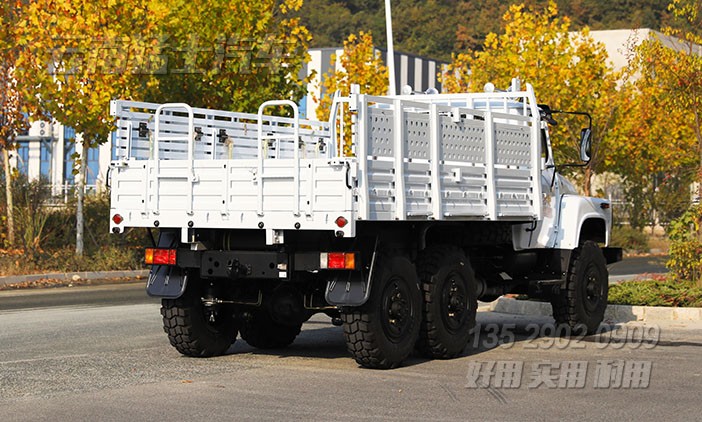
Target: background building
point(46, 151)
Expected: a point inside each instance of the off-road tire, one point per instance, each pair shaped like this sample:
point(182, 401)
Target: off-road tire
point(450, 301)
point(580, 306)
point(261, 332)
point(186, 322)
point(382, 333)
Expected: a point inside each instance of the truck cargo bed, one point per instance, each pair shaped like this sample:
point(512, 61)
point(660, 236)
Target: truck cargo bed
point(438, 157)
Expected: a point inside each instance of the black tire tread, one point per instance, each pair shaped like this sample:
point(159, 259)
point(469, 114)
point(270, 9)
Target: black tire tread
point(183, 335)
point(564, 305)
point(188, 332)
point(428, 263)
point(361, 341)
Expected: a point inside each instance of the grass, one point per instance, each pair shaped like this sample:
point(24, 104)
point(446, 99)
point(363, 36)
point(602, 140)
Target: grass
point(659, 292)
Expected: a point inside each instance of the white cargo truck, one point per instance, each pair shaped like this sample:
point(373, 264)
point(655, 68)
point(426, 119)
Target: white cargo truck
point(440, 201)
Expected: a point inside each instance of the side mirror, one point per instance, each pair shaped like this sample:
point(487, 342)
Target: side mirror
point(586, 144)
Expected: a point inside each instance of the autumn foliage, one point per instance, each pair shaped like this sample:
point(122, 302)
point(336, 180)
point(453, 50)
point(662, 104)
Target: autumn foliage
point(360, 64)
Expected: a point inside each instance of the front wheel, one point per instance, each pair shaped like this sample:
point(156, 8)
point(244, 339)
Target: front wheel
point(195, 329)
point(382, 333)
point(581, 304)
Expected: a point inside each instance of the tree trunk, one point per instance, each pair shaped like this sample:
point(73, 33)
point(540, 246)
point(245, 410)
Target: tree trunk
point(80, 189)
point(8, 198)
point(698, 135)
point(587, 181)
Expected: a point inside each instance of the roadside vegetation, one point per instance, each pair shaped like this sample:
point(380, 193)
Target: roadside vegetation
point(656, 292)
point(46, 232)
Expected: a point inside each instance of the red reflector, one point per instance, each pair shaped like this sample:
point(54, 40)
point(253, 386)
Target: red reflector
point(341, 222)
point(117, 218)
point(161, 256)
point(335, 260)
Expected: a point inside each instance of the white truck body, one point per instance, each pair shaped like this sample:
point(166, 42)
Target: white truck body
point(435, 202)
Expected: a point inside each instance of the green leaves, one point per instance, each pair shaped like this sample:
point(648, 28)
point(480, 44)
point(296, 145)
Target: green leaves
point(230, 55)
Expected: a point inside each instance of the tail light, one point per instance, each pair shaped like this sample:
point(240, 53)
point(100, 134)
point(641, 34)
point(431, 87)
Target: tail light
point(153, 256)
point(337, 260)
point(117, 218)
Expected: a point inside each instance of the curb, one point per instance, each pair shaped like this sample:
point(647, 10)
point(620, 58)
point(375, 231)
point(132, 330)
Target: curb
point(614, 313)
point(614, 279)
point(81, 275)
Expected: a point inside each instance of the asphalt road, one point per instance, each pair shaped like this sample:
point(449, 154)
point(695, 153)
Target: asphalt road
point(639, 265)
point(99, 353)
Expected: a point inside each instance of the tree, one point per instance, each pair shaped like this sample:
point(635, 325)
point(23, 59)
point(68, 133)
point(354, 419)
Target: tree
point(12, 118)
point(673, 67)
point(360, 64)
point(656, 144)
point(568, 71)
point(231, 55)
point(651, 146)
point(76, 56)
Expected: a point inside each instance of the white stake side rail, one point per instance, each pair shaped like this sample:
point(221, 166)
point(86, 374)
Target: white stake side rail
point(183, 167)
point(470, 156)
point(440, 157)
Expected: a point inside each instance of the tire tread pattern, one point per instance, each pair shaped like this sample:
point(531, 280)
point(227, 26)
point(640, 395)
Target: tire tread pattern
point(430, 343)
point(565, 304)
point(188, 332)
point(359, 333)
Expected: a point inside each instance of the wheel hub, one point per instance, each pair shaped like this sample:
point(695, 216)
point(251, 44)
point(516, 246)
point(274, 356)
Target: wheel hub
point(593, 290)
point(397, 310)
point(453, 302)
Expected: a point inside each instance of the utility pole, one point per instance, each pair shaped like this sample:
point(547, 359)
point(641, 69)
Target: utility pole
point(391, 50)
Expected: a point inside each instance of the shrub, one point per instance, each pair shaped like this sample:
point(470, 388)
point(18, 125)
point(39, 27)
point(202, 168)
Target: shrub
point(656, 293)
point(45, 234)
point(64, 260)
point(686, 246)
point(629, 238)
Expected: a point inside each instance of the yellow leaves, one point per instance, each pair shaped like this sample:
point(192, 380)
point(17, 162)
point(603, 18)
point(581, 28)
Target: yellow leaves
point(567, 71)
point(359, 65)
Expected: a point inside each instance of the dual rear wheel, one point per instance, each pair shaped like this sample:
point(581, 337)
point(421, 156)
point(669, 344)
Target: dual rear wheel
point(431, 308)
point(198, 330)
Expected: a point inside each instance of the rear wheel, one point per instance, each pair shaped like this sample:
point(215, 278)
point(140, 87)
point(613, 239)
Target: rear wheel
point(383, 332)
point(195, 329)
point(450, 301)
point(581, 304)
point(260, 331)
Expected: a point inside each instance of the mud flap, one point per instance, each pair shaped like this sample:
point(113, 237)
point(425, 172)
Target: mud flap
point(347, 289)
point(165, 281)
